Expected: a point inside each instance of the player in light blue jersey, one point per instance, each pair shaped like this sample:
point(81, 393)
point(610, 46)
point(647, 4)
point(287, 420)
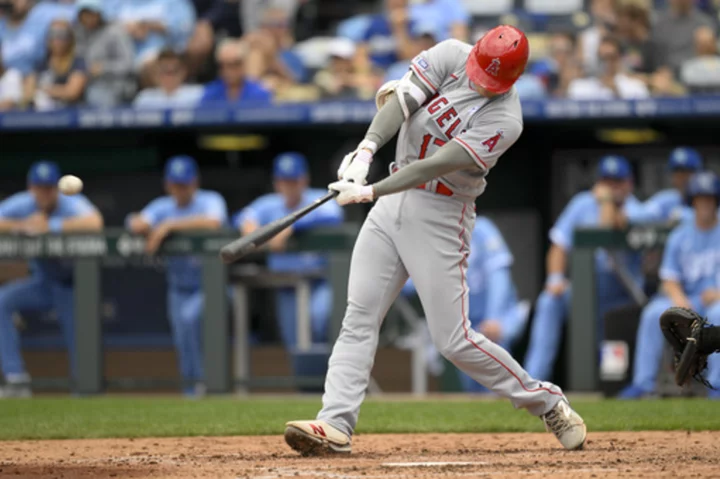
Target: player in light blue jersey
point(494, 309)
point(669, 204)
point(689, 274)
point(186, 207)
point(291, 180)
point(610, 205)
point(41, 209)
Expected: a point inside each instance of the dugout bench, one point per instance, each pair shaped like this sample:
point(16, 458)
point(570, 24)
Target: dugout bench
point(87, 252)
point(583, 354)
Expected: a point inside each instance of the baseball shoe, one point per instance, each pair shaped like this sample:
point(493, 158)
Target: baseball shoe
point(633, 392)
point(316, 438)
point(567, 426)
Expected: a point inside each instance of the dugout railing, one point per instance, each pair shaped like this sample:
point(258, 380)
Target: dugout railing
point(583, 352)
point(88, 251)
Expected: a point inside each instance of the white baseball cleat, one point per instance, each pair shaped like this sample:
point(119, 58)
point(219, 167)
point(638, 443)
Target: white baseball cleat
point(567, 426)
point(316, 438)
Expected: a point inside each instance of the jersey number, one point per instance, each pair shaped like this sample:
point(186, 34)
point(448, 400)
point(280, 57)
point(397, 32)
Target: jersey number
point(426, 143)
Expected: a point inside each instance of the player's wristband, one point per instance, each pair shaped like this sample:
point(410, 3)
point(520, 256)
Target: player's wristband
point(555, 278)
point(55, 225)
point(365, 151)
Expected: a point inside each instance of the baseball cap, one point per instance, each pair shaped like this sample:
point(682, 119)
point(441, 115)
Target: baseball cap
point(684, 158)
point(44, 173)
point(341, 48)
point(181, 170)
point(289, 166)
point(614, 167)
point(425, 27)
point(92, 5)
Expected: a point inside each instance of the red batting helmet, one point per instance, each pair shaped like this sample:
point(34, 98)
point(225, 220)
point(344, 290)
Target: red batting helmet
point(498, 59)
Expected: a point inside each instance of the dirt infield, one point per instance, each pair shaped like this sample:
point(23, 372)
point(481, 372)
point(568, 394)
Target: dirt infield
point(625, 454)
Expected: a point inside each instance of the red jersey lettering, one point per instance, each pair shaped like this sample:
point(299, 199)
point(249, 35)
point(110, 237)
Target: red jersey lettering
point(437, 104)
point(447, 115)
point(491, 142)
point(449, 132)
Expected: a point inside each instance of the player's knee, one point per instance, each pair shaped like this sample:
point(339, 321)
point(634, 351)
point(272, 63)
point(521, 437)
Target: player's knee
point(547, 302)
point(650, 316)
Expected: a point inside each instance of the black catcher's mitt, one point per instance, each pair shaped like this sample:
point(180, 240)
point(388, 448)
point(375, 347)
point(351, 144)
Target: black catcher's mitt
point(692, 340)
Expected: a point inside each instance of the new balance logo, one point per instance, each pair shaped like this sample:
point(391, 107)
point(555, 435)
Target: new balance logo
point(318, 430)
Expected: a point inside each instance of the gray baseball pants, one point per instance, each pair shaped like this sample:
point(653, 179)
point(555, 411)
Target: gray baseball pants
point(424, 235)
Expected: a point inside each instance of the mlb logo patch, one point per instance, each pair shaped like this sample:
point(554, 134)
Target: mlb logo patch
point(422, 63)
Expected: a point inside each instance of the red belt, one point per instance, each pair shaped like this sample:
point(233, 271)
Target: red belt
point(440, 188)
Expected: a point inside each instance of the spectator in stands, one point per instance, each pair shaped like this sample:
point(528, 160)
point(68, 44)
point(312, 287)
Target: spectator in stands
point(451, 17)
point(386, 39)
point(214, 17)
point(530, 87)
point(689, 274)
point(40, 209)
point(610, 204)
point(634, 30)
point(270, 55)
point(252, 12)
point(23, 32)
point(423, 36)
point(604, 18)
point(562, 53)
point(186, 207)
point(339, 79)
point(109, 55)
point(612, 81)
point(673, 34)
point(62, 80)
point(233, 87)
point(701, 74)
point(171, 91)
point(291, 183)
point(11, 86)
point(153, 25)
point(669, 204)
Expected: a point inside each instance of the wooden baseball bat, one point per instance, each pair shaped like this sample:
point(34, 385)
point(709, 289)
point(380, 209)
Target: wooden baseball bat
point(247, 244)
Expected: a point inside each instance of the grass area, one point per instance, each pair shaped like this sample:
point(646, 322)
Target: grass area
point(61, 418)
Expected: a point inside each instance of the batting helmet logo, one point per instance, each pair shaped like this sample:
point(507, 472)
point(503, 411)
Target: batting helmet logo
point(498, 59)
point(494, 67)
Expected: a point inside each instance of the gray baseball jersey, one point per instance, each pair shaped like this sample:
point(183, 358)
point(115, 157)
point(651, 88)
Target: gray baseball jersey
point(426, 236)
point(485, 128)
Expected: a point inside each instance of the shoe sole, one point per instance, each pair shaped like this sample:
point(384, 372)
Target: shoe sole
point(308, 445)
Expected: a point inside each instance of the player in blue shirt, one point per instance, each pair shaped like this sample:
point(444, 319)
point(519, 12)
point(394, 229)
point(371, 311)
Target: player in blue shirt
point(40, 209)
point(291, 180)
point(610, 204)
point(689, 274)
point(494, 309)
point(668, 205)
point(186, 207)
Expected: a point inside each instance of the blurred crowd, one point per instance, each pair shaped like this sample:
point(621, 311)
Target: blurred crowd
point(182, 53)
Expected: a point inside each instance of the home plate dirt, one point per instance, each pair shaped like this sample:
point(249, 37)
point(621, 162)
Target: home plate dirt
point(416, 456)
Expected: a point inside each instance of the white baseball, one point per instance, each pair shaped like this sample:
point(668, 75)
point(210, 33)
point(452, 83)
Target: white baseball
point(70, 185)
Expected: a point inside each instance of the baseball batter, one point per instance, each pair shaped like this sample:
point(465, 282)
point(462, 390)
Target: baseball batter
point(456, 112)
